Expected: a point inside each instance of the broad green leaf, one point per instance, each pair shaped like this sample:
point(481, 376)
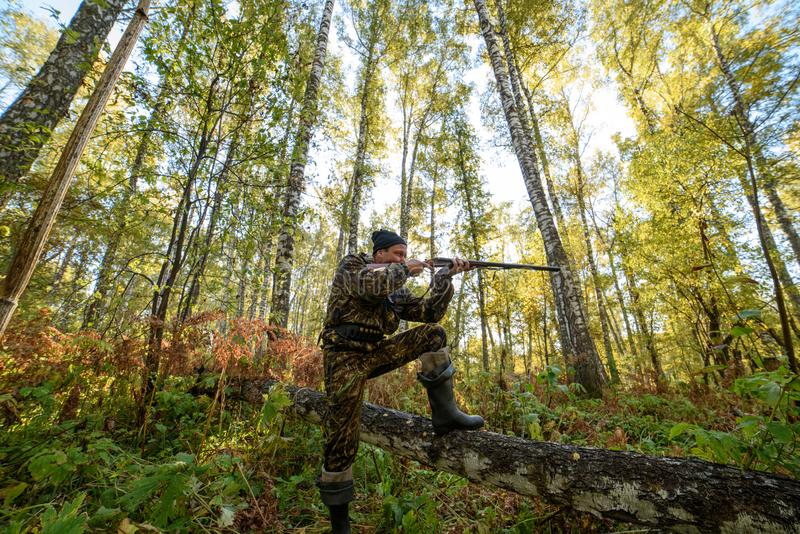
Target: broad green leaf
point(781, 432)
point(750, 424)
point(738, 331)
point(9, 493)
point(771, 393)
point(68, 520)
point(103, 515)
point(679, 429)
point(47, 464)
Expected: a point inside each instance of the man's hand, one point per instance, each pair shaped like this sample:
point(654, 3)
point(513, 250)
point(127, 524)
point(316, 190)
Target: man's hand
point(458, 266)
point(415, 267)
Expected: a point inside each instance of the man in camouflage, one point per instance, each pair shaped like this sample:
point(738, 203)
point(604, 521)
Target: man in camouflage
point(367, 301)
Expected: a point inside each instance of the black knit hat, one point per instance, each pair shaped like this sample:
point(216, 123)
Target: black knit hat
point(384, 239)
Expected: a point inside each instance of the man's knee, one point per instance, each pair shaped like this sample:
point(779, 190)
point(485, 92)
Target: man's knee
point(435, 336)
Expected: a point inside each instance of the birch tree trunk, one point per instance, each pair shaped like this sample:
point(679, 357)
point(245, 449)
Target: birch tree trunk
point(176, 253)
point(473, 230)
point(583, 357)
point(432, 219)
point(534, 137)
point(27, 124)
point(751, 149)
point(645, 333)
point(30, 249)
point(62, 268)
point(193, 292)
point(598, 291)
point(284, 253)
point(407, 106)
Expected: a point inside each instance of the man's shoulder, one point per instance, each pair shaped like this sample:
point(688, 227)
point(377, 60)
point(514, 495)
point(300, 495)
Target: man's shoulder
point(355, 260)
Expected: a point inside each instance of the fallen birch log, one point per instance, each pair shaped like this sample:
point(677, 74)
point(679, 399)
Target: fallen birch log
point(680, 494)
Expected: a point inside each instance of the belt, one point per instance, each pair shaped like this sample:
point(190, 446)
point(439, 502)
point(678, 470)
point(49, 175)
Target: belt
point(358, 332)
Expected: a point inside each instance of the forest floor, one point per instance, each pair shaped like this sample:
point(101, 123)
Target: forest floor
point(75, 455)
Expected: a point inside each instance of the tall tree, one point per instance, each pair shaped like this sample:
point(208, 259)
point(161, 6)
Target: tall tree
point(27, 124)
point(584, 359)
point(523, 100)
point(24, 47)
point(284, 255)
point(120, 216)
point(574, 137)
point(27, 255)
point(371, 28)
point(469, 187)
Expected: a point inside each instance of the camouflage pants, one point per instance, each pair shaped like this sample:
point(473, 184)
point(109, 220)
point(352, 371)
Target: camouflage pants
point(347, 372)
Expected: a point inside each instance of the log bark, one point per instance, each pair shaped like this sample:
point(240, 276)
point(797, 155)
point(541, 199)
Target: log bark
point(667, 493)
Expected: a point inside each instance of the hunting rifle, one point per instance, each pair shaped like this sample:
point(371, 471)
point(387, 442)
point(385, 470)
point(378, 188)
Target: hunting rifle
point(478, 264)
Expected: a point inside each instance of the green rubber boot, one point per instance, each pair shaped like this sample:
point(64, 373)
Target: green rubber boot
point(437, 377)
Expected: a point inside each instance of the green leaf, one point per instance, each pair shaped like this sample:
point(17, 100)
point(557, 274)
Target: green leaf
point(169, 505)
point(770, 392)
point(68, 520)
point(781, 432)
point(140, 491)
point(738, 331)
point(679, 429)
point(9, 493)
point(276, 401)
point(750, 424)
point(409, 521)
point(103, 516)
point(47, 464)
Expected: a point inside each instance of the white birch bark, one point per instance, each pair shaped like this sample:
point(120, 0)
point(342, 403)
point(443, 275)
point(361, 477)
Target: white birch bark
point(584, 358)
point(284, 253)
point(357, 183)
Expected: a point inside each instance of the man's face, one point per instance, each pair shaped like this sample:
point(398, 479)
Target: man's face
point(393, 254)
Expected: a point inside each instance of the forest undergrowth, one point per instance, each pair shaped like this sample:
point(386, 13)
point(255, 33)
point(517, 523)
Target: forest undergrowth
point(83, 451)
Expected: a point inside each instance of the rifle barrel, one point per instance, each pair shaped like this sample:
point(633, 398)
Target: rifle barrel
point(445, 262)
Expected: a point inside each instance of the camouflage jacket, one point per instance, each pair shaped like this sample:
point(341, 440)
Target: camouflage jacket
point(377, 298)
